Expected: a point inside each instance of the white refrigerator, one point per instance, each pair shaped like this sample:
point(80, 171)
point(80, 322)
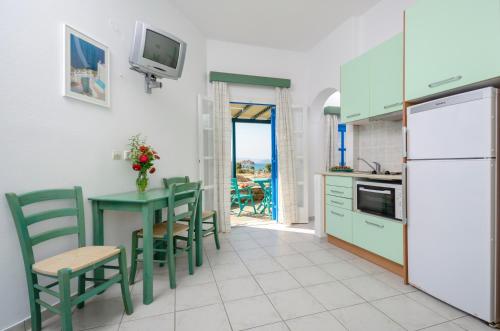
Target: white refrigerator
point(452, 200)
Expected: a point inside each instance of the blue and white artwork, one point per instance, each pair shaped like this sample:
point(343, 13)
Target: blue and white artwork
point(87, 68)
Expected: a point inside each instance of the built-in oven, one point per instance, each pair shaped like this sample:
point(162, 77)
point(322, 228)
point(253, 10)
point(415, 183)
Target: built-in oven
point(380, 198)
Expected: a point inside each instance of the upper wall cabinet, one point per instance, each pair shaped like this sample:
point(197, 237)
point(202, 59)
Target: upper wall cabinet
point(450, 44)
point(355, 89)
point(386, 77)
point(372, 84)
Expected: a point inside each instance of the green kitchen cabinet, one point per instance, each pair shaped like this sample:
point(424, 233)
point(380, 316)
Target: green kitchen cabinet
point(339, 223)
point(450, 44)
point(386, 77)
point(381, 236)
point(342, 181)
point(355, 89)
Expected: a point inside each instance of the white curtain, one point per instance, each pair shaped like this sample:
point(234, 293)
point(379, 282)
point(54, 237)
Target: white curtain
point(331, 142)
point(222, 154)
point(287, 193)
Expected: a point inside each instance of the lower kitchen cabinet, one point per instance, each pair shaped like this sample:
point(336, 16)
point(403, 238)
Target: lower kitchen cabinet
point(378, 235)
point(339, 223)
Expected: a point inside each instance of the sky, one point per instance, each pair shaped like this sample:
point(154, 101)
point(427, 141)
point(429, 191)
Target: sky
point(253, 141)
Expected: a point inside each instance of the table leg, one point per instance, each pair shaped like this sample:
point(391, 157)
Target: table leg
point(97, 234)
point(159, 244)
point(147, 254)
point(199, 231)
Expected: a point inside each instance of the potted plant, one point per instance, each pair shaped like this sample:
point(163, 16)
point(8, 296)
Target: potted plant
point(142, 157)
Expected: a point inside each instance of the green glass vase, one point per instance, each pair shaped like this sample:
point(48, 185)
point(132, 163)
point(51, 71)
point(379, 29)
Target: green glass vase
point(142, 182)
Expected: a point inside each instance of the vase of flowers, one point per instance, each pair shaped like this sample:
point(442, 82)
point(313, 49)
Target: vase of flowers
point(142, 157)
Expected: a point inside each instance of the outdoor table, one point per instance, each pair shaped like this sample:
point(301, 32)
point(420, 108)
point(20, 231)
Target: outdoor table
point(267, 200)
point(150, 205)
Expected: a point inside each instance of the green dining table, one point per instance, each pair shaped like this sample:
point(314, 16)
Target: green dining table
point(150, 205)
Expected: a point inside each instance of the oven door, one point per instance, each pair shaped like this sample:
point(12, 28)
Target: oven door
point(377, 200)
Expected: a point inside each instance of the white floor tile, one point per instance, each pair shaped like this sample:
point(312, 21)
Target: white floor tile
point(201, 275)
point(448, 326)
point(470, 323)
point(293, 261)
point(334, 295)
point(311, 275)
point(190, 297)
point(207, 318)
point(277, 281)
point(322, 257)
point(364, 317)
point(280, 326)
point(280, 250)
point(319, 322)
point(230, 271)
point(436, 305)
point(370, 288)
point(218, 257)
point(367, 266)
point(251, 312)
point(163, 303)
point(295, 303)
point(233, 289)
point(394, 281)
point(162, 322)
point(408, 313)
point(99, 313)
point(244, 244)
point(263, 266)
point(304, 247)
point(253, 254)
point(342, 270)
point(342, 254)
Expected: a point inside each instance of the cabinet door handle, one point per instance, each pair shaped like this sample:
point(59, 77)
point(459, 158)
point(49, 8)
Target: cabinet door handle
point(339, 215)
point(374, 224)
point(353, 115)
point(445, 81)
point(336, 192)
point(338, 202)
point(393, 105)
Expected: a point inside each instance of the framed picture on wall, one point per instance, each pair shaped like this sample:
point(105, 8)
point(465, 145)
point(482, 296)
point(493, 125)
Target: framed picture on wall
point(86, 68)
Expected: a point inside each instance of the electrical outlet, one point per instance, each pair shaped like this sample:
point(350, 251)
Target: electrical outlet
point(126, 155)
point(116, 155)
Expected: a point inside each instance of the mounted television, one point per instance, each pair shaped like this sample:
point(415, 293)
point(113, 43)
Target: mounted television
point(156, 52)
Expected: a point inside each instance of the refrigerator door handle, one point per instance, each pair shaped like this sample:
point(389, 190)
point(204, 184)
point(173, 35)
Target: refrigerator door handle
point(405, 141)
point(405, 190)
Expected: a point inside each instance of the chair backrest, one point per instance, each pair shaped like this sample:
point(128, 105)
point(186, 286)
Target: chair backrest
point(23, 222)
point(175, 180)
point(234, 186)
point(183, 195)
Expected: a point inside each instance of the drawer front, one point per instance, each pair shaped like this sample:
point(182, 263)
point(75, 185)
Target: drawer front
point(338, 202)
point(339, 181)
point(380, 236)
point(339, 191)
point(339, 223)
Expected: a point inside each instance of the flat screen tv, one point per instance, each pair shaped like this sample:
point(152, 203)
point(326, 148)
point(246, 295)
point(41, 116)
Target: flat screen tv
point(157, 52)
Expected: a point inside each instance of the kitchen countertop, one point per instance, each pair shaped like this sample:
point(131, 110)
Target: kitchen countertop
point(362, 174)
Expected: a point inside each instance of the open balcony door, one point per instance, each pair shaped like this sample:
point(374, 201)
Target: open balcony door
point(206, 156)
point(300, 158)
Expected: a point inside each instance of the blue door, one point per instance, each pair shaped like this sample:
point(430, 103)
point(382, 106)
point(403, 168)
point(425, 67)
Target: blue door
point(274, 164)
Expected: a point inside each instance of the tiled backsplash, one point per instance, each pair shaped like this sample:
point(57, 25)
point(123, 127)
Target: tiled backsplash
point(379, 141)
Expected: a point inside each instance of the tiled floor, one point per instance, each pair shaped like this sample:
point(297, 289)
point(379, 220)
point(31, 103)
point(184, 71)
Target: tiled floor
point(273, 278)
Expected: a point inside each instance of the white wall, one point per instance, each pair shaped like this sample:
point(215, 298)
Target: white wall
point(351, 39)
point(49, 141)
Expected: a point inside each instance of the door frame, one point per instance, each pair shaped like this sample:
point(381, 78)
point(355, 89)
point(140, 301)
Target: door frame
point(274, 150)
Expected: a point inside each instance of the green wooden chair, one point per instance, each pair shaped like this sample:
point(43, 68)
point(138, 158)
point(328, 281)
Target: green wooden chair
point(68, 265)
point(208, 217)
point(182, 201)
point(241, 196)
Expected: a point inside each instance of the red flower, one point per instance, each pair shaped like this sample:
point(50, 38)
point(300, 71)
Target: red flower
point(136, 167)
point(157, 157)
point(143, 148)
point(143, 158)
point(152, 170)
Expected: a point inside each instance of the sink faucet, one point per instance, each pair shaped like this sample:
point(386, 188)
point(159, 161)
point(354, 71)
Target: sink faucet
point(377, 167)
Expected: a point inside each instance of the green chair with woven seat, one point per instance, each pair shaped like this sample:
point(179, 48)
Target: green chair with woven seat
point(208, 217)
point(75, 263)
point(241, 196)
point(184, 199)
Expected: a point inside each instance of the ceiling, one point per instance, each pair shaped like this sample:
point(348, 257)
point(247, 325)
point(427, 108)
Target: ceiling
point(286, 24)
point(250, 112)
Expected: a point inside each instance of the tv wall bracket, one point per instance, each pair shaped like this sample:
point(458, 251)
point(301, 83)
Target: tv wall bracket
point(150, 81)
